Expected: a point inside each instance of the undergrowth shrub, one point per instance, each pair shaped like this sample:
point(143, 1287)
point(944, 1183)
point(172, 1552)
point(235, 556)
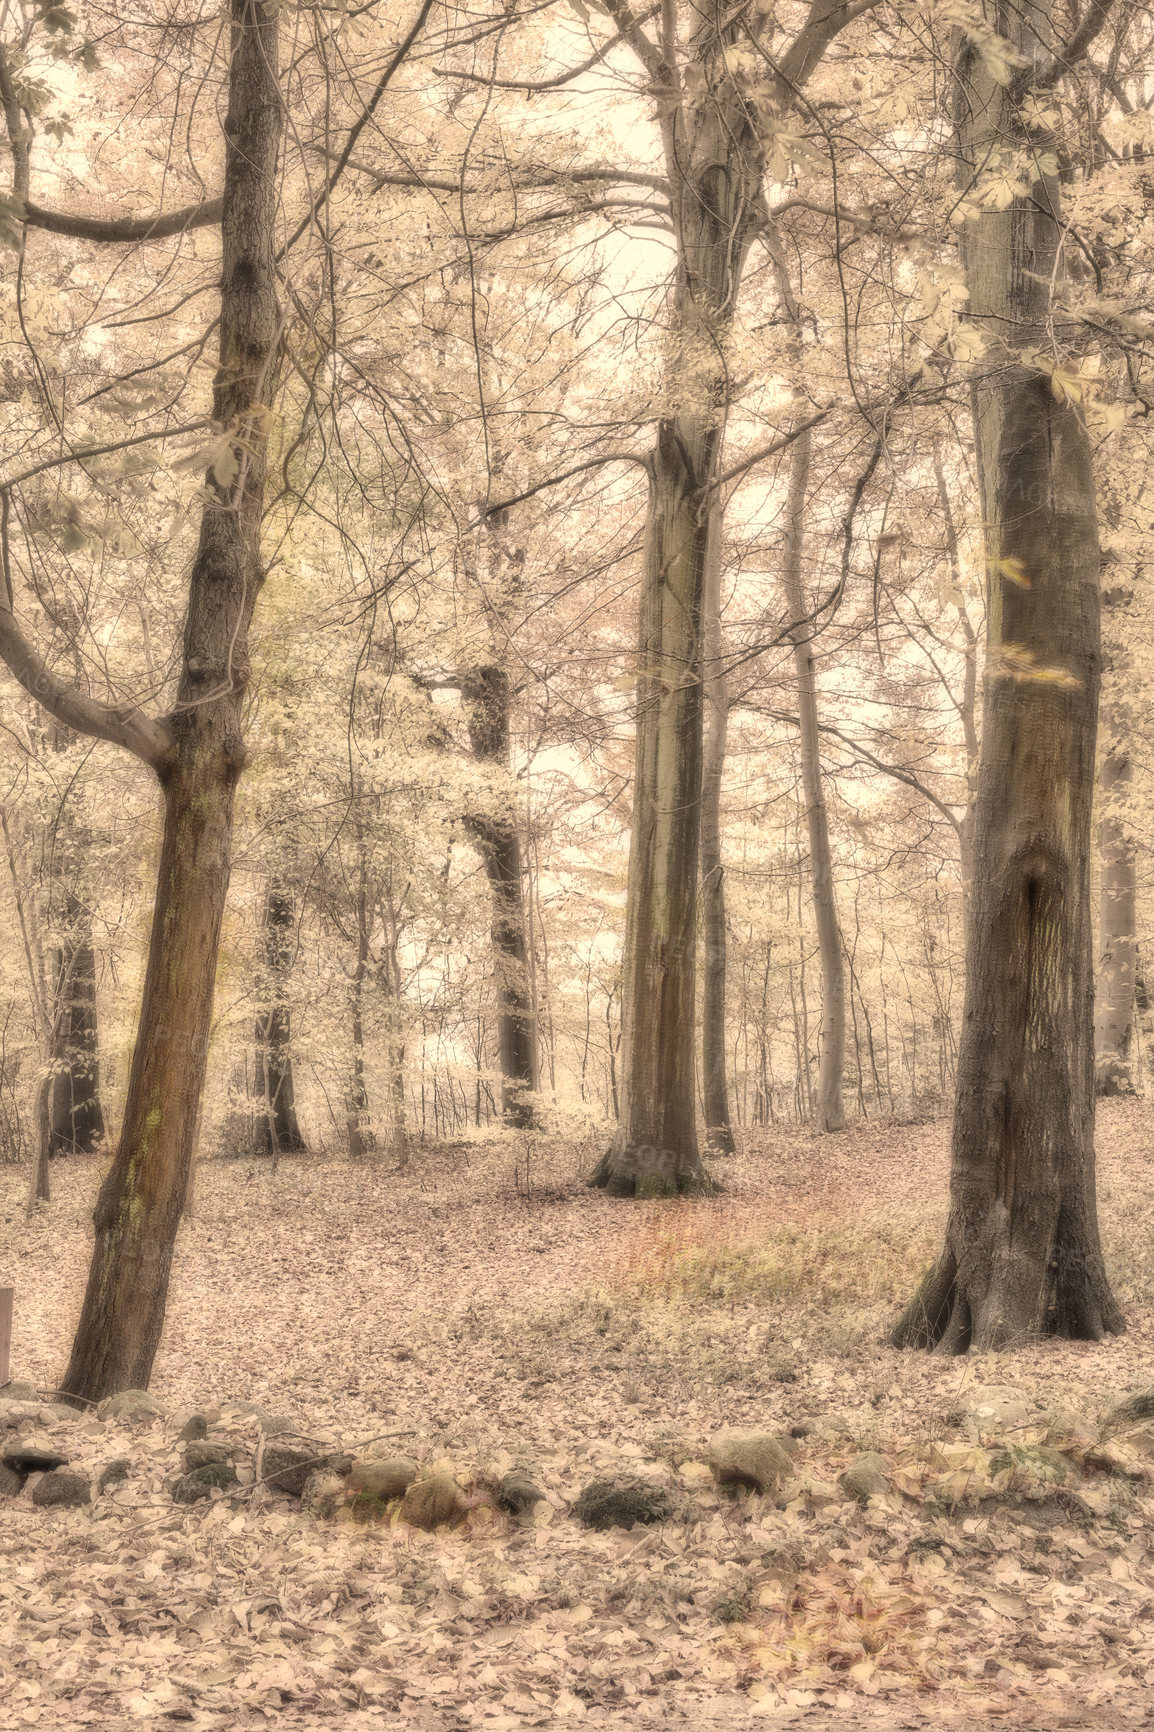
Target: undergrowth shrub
point(695, 1252)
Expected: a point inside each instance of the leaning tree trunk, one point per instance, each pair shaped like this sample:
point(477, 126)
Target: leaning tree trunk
point(1022, 1255)
point(828, 1109)
point(715, 1086)
point(275, 1130)
point(199, 763)
point(75, 1115)
point(1115, 1000)
point(486, 693)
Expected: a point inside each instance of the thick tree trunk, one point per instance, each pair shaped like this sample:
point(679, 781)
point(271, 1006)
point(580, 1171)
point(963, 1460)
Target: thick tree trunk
point(1114, 1003)
point(715, 1086)
point(486, 693)
point(139, 1206)
point(75, 1115)
point(828, 1108)
point(275, 1129)
point(1022, 1256)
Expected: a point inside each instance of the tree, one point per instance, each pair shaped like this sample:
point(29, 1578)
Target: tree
point(275, 1128)
point(196, 752)
point(713, 120)
point(1022, 1255)
point(715, 1086)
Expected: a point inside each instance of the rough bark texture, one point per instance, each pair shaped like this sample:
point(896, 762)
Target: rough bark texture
point(138, 1209)
point(275, 1130)
point(828, 1107)
point(362, 1139)
point(75, 1115)
point(715, 1086)
point(713, 162)
point(486, 693)
point(1022, 1254)
point(1114, 1003)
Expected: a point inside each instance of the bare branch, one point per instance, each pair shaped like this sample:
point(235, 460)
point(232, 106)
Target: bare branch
point(1072, 50)
point(567, 474)
point(124, 726)
point(122, 229)
point(358, 126)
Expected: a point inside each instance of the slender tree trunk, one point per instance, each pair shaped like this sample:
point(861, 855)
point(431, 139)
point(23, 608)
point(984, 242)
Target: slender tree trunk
point(76, 1117)
point(1114, 1003)
point(487, 694)
point(715, 1084)
point(139, 1206)
point(1022, 1256)
point(275, 1127)
point(828, 1109)
point(361, 1140)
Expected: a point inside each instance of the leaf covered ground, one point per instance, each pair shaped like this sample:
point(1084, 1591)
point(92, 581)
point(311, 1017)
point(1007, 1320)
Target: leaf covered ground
point(479, 1312)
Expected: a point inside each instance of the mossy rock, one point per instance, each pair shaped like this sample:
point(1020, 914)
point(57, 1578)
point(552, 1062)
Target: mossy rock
point(517, 1493)
point(387, 1478)
point(62, 1490)
point(114, 1472)
point(430, 1503)
point(201, 1482)
point(753, 1458)
point(287, 1467)
point(866, 1476)
point(618, 1503)
point(201, 1453)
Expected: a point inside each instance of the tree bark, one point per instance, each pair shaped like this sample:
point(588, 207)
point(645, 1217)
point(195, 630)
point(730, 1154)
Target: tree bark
point(275, 1130)
point(76, 1117)
point(1114, 1003)
point(486, 693)
point(713, 162)
point(715, 1085)
point(828, 1107)
point(1022, 1256)
point(139, 1206)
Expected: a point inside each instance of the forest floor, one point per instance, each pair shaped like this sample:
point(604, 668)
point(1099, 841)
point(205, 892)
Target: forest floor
point(482, 1314)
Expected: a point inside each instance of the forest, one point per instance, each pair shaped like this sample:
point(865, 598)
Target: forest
point(574, 638)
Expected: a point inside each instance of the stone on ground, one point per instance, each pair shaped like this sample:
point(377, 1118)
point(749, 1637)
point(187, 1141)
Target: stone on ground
point(114, 1472)
point(201, 1453)
point(32, 1455)
point(61, 1490)
point(866, 1476)
point(11, 1482)
point(430, 1502)
point(323, 1494)
point(390, 1477)
point(517, 1493)
point(131, 1404)
point(1130, 1411)
point(992, 1407)
point(749, 1457)
point(287, 1467)
point(201, 1482)
point(618, 1503)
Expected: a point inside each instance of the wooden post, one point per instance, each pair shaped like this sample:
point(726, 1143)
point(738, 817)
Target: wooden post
point(7, 1299)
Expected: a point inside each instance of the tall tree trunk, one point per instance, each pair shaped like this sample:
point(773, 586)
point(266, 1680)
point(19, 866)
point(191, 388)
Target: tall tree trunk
point(360, 1132)
point(1022, 1256)
point(75, 1115)
point(715, 1085)
point(199, 754)
point(713, 162)
point(486, 693)
point(1114, 1002)
point(274, 1123)
point(828, 1109)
